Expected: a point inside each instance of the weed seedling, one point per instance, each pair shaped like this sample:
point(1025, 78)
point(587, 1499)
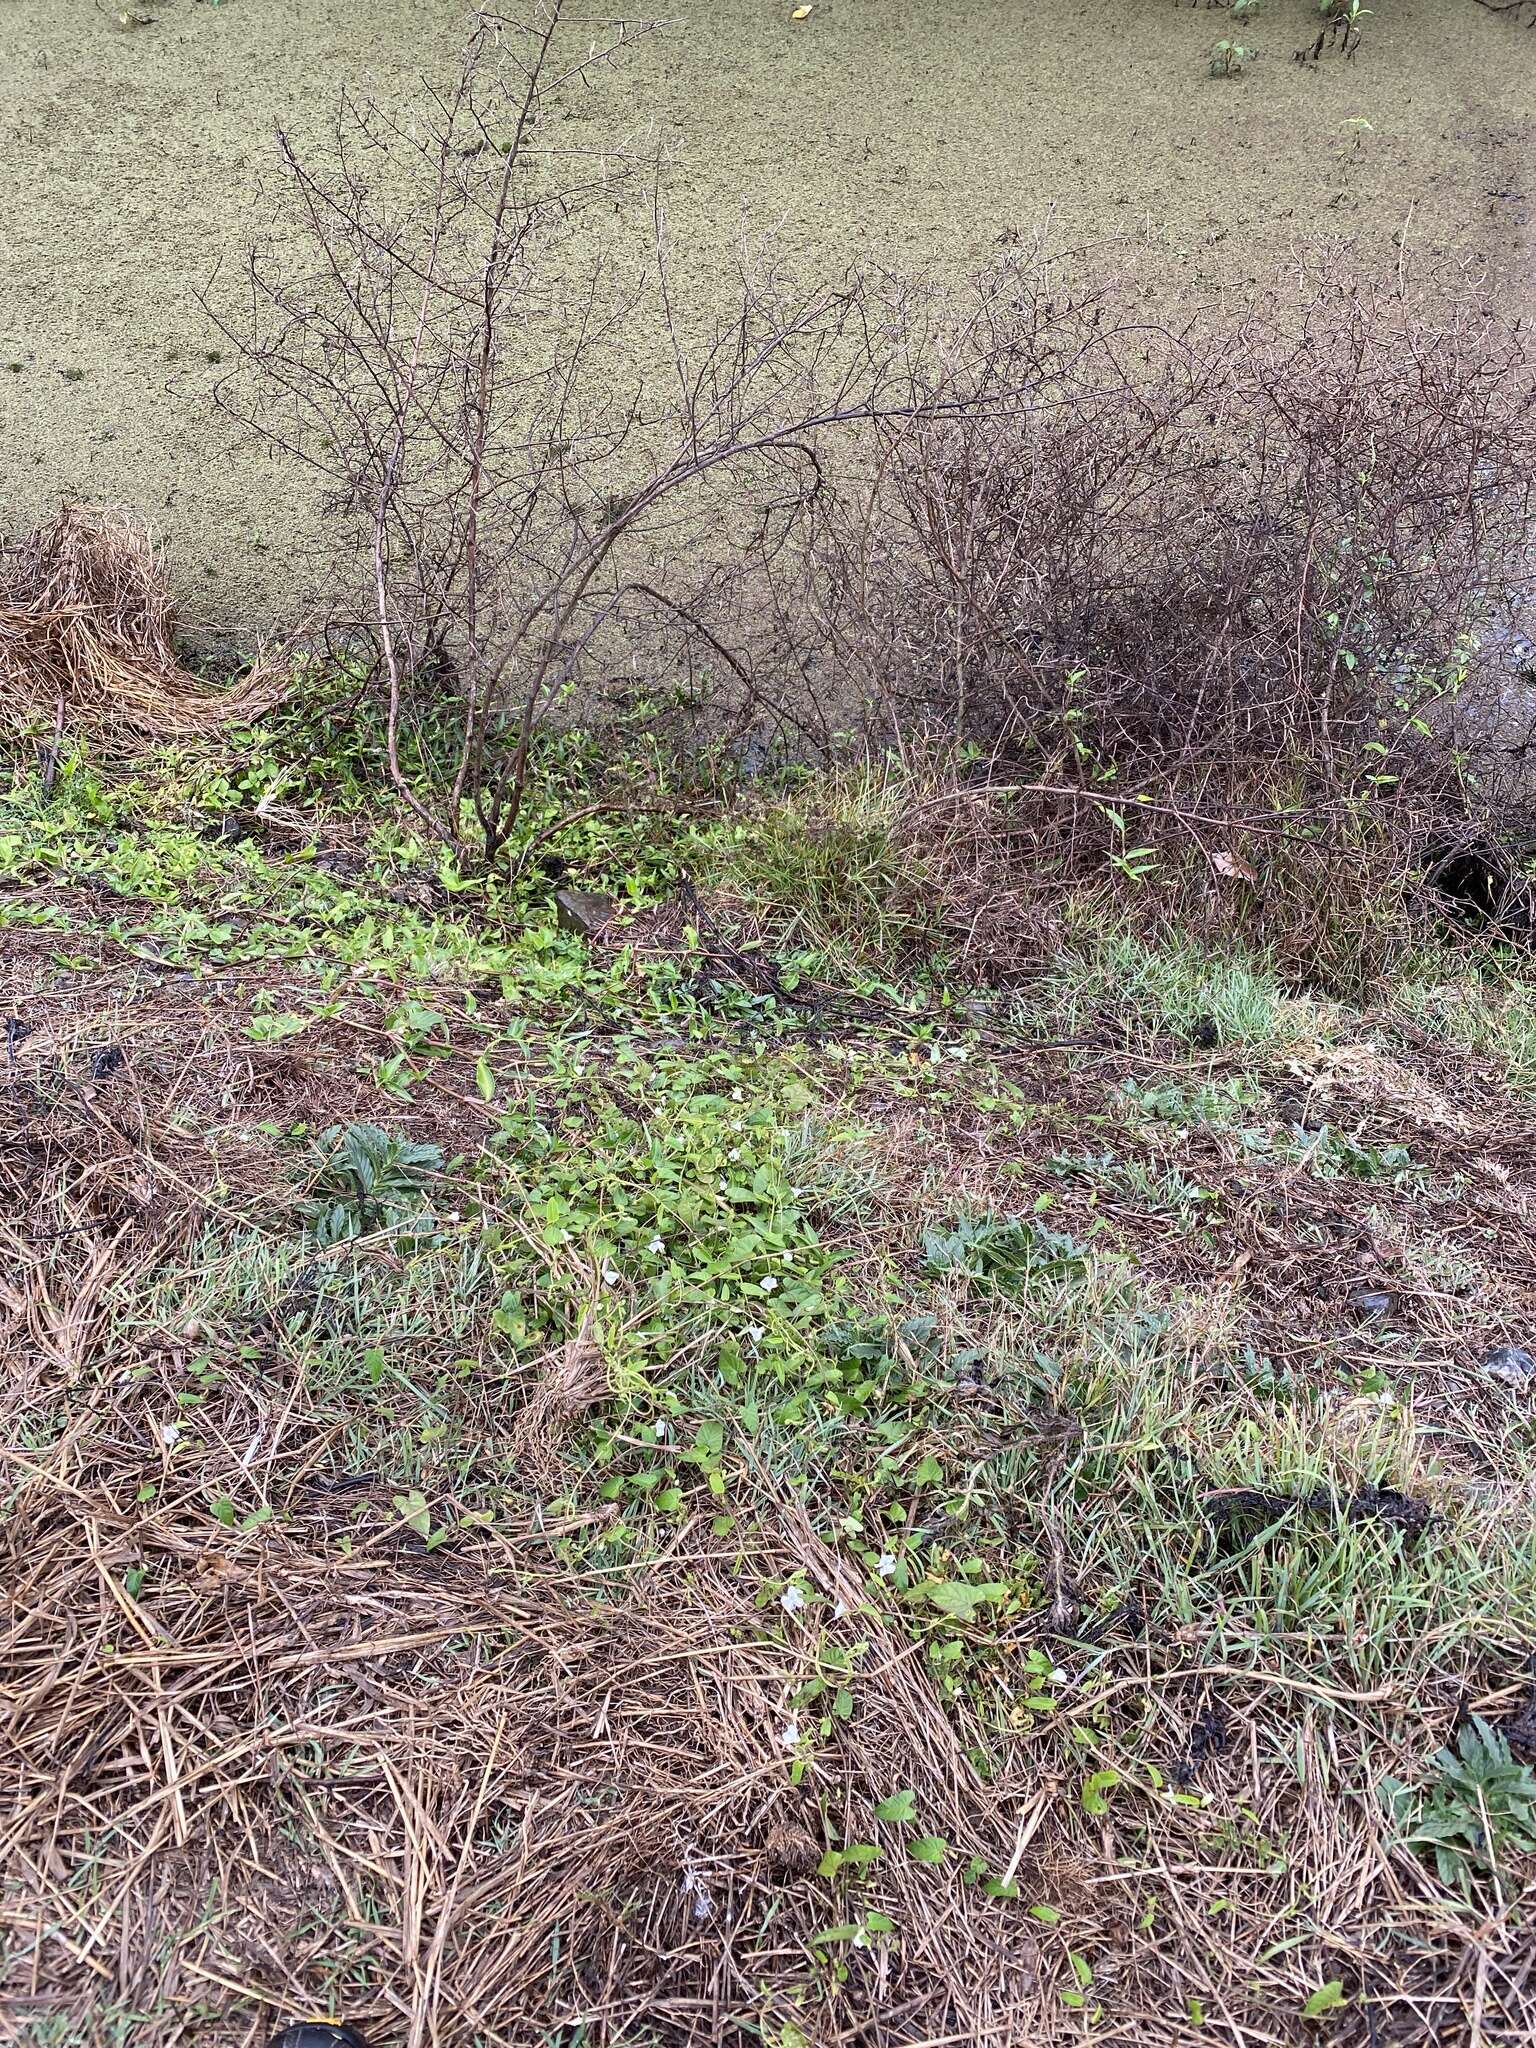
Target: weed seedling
point(371, 1181)
point(1481, 1807)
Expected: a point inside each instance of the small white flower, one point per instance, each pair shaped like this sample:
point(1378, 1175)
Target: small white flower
point(768, 1284)
point(885, 1564)
point(737, 1096)
point(610, 1276)
point(788, 1258)
point(454, 1216)
point(655, 1245)
point(170, 1434)
point(734, 1153)
point(1058, 1676)
point(661, 1430)
point(841, 1611)
point(754, 1333)
point(789, 1734)
point(791, 1599)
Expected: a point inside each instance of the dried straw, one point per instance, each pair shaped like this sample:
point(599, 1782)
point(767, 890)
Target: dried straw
point(493, 1791)
point(87, 634)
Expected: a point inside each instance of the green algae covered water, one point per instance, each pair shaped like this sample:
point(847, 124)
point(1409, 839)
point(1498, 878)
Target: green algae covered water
point(914, 136)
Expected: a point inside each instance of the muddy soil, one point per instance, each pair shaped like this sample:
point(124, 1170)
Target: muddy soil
point(918, 136)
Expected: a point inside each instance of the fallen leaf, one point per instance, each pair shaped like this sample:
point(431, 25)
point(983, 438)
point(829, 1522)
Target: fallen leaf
point(1229, 864)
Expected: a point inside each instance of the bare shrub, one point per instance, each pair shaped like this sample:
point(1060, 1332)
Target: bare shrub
point(1216, 601)
point(1206, 599)
point(437, 325)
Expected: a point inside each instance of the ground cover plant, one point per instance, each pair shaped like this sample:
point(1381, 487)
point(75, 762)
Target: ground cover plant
point(728, 1480)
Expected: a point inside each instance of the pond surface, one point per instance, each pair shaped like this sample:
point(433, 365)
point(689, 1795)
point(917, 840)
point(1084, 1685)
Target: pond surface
point(914, 136)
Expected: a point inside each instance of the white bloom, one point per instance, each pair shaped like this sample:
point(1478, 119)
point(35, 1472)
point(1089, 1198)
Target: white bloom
point(788, 1258)
point(1058, 1676)
point(655, 1245)
point(768, 1284)
point(754, 1333)
point(791, 1599)
point(885, 1564)
point(170, 1434)
point(610, 1276)
point(734, 1153)
point(737, 1096)
point(661, 1432)
point(841, 1611)
point(789, 1734)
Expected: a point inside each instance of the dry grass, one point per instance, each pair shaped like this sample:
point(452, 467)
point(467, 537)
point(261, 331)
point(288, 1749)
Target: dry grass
point(463, 1793)
point(503, 1789)
point(87, 635)
point(502, 1796)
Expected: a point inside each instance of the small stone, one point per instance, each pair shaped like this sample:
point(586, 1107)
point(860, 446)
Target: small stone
point(1511, 1364)
point(585, 911)
point(1371, 1303)
point(232, 827)
point(421, 892)
point(318, 2034)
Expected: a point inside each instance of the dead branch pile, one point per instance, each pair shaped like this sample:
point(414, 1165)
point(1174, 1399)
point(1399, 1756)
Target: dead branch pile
point(87, 634)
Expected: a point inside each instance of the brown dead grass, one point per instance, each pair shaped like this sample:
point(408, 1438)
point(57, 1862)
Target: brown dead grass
point(500, 1795)
point(469, 1792)
point(483, 1791)
point(87, 635)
